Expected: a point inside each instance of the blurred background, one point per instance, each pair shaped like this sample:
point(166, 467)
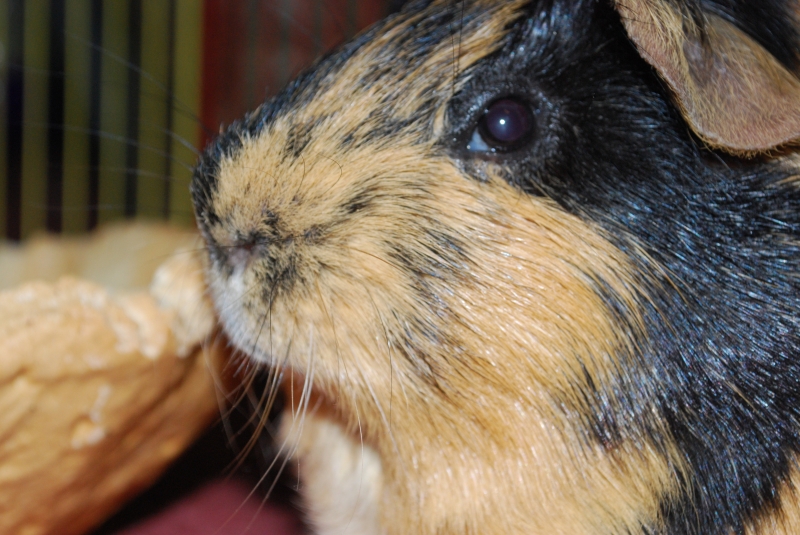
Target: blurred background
point(105, 103)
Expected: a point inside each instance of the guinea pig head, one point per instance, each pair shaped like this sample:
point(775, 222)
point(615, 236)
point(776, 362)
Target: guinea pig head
point(485, 234)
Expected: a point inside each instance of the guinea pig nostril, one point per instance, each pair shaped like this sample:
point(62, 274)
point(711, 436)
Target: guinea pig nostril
point(243, 250)
point(247, 247)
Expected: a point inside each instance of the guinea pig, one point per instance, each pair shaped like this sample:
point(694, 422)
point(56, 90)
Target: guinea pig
point(528, 267)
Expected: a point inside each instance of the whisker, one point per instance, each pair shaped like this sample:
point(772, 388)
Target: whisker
point(460, 39)
point(125, 140)
point(361, 443)
point(455, 58)
point(269, 468)
point(104, 208)
point(303, 176)
point(183, 107)
point(354, 401)
point(171, 134)
point(262, 404)
point(37, 207)
point(341, 172)
point(376, 257)
point(335, 340)
point(337, 20)
point(229, 403)
point(146, 95)
point(250, 374)
point(282, 8)
point(260, 414)
point(389, 352)
point(221, 392)
point(297, 421)
point(139, 172)
point(305, 396)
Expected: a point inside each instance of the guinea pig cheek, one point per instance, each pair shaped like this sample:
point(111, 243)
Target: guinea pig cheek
point(534, 335)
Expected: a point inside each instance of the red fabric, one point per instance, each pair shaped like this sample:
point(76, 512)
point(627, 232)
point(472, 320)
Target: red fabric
point(221, 508)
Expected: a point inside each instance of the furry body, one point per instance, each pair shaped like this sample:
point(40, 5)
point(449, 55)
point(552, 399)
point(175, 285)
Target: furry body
point(595, 331)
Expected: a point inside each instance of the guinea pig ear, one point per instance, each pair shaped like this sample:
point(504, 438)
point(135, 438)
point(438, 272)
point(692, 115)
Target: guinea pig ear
point(733, 93)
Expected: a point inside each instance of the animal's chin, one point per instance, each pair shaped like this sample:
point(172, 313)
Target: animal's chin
point(238, 324)
point(261, 337)
point(250, 342)
point(251, 348)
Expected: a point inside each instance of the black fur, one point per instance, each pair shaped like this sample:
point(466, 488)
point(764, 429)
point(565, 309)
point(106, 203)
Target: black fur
point(720, 361)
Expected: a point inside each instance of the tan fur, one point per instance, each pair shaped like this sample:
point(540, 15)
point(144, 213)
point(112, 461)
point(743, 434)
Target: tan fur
point(786, 519)
point(341, 474)
point(733, 93)
point(471, 430)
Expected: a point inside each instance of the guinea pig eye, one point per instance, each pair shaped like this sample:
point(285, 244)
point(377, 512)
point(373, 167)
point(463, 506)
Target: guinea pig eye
point(505, 125)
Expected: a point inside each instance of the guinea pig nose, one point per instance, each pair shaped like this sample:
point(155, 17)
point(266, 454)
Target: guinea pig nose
point(244, 249)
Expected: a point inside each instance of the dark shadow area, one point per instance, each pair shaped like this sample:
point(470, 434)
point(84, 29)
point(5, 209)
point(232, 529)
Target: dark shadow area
point(211, 457)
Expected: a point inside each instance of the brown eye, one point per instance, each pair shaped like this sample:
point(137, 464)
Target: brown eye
point(505, 125)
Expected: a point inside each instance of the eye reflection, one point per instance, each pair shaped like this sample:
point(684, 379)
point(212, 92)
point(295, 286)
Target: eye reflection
point(505, 125)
